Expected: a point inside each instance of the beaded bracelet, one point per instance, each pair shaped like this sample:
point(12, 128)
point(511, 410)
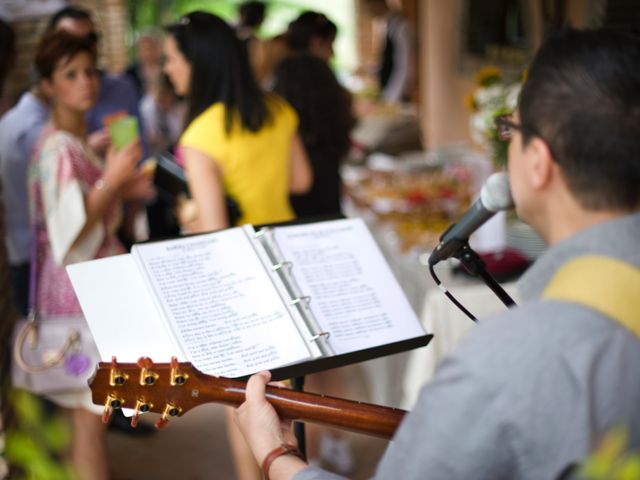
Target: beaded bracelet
point(284, 449)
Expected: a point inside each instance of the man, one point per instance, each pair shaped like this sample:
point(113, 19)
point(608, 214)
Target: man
point(20, 128)
point(395, 68)
point(529, 393)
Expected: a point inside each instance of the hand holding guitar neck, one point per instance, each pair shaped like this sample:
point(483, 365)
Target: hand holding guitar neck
point(172, 389)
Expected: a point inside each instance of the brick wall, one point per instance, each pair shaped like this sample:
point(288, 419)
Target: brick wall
point(111, 20)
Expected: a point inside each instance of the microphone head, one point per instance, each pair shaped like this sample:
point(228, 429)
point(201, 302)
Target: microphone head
point(496, 193)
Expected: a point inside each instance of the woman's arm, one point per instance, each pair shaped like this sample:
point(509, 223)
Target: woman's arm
point(301, 175)
point(118, 169)
point(205, 185)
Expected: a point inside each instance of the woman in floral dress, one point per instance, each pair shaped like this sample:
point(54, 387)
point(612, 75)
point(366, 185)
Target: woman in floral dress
point(75, 204)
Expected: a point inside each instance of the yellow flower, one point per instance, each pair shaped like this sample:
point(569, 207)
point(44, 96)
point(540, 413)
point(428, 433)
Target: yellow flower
point(470, 101)
point(488, 75)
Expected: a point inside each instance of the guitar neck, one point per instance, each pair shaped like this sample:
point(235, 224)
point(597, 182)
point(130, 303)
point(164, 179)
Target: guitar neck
point(310, 407)
point(173, 389)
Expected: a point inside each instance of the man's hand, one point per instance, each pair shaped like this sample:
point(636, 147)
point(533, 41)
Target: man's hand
point(259, 422)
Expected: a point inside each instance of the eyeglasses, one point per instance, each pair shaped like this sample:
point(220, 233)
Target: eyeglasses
point(505, 126)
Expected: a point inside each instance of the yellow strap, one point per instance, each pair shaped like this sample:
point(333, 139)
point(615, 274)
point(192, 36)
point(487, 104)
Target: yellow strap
point(604, 284)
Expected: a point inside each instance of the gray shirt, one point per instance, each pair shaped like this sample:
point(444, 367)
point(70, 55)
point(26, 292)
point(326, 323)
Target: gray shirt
point(530, 392)
point(20, 128)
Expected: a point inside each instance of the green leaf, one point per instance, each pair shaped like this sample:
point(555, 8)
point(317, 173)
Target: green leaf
point(56, 434)
point(28, 408)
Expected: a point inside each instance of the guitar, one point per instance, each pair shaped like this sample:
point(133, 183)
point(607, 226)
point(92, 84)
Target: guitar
point(172, 389)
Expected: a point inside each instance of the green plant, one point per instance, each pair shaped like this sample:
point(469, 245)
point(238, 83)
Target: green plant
point(37, 442)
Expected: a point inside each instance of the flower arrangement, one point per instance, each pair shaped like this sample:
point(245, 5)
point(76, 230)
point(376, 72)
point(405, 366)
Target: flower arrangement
point(493, 96)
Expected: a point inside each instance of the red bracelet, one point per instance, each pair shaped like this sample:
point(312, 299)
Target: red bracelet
point(284, 449)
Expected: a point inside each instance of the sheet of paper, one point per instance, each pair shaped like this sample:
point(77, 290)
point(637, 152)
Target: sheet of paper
point(221, 303)
point(121, 315)
point(354, 295)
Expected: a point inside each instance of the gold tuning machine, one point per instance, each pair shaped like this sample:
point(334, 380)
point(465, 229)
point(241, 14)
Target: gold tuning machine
point(147, 376)
point(111, 403)
point(170, 410)
point(178, 377)
point(117, 378)
point(142, 406)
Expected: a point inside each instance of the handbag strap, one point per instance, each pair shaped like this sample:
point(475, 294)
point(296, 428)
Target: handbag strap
point(605, 284)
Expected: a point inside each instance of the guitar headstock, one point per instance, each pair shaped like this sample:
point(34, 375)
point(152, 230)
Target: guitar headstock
point(169, 389)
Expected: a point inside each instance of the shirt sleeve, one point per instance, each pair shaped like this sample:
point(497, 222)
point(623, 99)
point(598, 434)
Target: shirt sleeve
point(63, 202)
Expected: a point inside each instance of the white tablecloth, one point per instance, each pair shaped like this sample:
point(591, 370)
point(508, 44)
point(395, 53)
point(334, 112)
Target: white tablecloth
point(448, 324)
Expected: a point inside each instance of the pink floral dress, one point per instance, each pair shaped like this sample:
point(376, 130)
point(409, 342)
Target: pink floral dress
point(63, 171)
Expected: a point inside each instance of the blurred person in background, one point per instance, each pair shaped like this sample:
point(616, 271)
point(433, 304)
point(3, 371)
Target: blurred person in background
point(394, 68)
point(324, 109)
point(20, 127)
point(239, 142)
point(312, 33)
point(147, 67)
point(75, 204)
point(7, 57)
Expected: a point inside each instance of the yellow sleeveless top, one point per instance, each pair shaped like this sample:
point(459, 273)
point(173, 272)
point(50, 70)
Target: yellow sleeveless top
point(255, 165)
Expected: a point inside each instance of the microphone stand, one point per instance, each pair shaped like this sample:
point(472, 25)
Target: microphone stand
point(472, 262)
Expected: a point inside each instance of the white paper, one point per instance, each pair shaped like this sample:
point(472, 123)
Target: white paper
point(354, 295)
point(119, 310)
point(221, 304)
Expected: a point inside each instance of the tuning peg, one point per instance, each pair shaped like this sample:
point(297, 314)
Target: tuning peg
point(147, 376)
point(111, 403)
point(117, 378)
point(178, 377)
point(170, 410)
point(141, 407)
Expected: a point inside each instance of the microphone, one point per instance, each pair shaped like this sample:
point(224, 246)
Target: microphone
point(494, 197)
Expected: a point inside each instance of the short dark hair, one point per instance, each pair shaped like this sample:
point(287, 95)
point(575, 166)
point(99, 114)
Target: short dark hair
point(56, 46)
point(251, 13)
point(71, 11)
point(582, 96)
point(307, 26)
point(322, 104)
point(220, 71)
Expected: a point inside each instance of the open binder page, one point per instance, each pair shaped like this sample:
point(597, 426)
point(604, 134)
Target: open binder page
point(221, 303)
point(120, 312)
point(354, 295)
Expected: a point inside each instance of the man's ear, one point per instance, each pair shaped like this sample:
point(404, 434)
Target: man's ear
point(541, 163)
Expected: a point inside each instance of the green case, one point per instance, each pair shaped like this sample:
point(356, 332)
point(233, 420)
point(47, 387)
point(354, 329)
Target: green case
point(123, 131)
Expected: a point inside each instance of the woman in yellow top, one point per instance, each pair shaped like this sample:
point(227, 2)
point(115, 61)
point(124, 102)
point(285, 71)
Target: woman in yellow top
point(239, 141)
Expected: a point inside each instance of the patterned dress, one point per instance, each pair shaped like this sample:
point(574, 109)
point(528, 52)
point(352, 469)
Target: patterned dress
point(63, 171)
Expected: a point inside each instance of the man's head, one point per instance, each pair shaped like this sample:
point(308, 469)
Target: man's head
point(74, 20)
point(579, 117)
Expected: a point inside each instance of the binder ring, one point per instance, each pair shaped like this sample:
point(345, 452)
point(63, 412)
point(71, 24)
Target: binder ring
point(261, 232)
point(317, 336)
point(280, 265)
point(305, 299)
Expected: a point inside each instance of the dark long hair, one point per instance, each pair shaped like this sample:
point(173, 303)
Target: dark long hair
point(220, 71)
point(323, 105)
